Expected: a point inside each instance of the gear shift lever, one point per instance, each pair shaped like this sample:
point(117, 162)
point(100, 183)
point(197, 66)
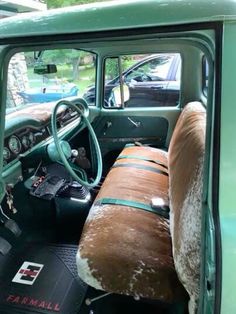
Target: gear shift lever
point(74, 153)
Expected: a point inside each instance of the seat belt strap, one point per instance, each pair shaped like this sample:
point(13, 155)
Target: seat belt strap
point(139, 166)
point(142, 158)
point(162, 211)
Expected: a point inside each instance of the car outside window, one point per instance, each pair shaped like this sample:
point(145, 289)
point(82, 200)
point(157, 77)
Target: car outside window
point(48, 76)
point(155, 69)
point(153, 80)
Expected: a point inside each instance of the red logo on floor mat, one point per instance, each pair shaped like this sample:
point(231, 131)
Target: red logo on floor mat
point(28, 273)
point(40, 304)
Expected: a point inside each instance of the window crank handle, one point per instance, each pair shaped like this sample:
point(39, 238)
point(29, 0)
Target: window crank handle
point(136, 124)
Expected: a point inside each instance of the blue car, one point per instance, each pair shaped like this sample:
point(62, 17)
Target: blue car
point(33, 96)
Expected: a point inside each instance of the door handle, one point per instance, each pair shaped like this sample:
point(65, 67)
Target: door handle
point(137, 124)
point(107, 125)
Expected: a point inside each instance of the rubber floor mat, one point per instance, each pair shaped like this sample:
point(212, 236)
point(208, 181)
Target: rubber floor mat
point(40, 279)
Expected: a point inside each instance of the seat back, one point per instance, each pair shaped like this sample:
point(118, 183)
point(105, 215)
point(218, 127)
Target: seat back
point(186, 158)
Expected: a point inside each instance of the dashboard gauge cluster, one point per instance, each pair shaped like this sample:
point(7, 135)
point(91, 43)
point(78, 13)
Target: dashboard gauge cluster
point(22, 141)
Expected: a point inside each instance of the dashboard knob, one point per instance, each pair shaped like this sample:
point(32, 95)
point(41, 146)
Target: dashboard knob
point(74, 153)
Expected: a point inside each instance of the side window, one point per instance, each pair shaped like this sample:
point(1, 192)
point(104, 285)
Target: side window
point(156, 69)
point(178, 73)
point(151, 80)
point(48, 76)
point(205, 74)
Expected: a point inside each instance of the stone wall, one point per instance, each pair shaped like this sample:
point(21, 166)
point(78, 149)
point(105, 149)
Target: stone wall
point(17, 80)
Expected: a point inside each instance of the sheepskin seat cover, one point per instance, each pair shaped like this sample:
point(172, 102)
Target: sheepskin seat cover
point(186, 158)
point(128, 250)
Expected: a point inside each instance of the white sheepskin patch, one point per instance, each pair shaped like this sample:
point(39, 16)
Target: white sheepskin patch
point(85, 273)
point(187, 257)
point(194, 106)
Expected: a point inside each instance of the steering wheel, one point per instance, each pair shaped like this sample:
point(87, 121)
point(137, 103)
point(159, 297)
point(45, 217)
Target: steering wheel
point(146, 78)
point(64, 155)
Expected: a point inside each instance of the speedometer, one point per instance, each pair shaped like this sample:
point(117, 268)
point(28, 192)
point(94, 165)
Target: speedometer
point(14, 144)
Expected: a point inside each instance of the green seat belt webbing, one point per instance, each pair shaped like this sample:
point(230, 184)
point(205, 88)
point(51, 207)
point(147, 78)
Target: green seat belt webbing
point(142, 158)
point(159, 210)
point(139, 166)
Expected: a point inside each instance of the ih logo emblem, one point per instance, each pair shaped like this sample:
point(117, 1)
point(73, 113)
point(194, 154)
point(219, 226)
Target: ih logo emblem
point(28, 273)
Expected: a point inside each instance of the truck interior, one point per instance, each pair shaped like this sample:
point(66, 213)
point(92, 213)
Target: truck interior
point(108, 204)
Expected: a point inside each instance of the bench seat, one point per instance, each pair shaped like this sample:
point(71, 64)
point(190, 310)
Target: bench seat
point(124, 249)
point(145, 153)
point(128, 249)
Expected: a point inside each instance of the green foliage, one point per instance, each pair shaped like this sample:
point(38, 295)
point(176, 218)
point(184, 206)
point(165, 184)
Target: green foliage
point(75, 66)
point(112, 68)
point(127, 61)
point(66, 3)
point(58, 56)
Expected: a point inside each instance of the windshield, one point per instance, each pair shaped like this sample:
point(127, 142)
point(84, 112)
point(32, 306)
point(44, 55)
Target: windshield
point(48, 76)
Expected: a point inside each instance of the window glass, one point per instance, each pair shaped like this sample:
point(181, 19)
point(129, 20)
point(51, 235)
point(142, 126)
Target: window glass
point(48, 76)
point(178, 74)
point(205, 74)
point(148, 80)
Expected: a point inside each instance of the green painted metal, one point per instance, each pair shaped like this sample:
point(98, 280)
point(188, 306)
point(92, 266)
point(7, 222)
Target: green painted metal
point(153, 129)
point(53, 152)
point(12, 175)
point(145, 13)
point(22, 123)
point(123, 14)
point(227, 196)
point(3, 51)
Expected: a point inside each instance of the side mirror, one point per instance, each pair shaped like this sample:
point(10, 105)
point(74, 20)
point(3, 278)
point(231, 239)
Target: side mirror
point(42, 69)
point(115, 99)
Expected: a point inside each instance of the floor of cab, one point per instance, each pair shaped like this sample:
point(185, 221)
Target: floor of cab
point(50, 241)
point(40, 277)
point(118, 304)
point(57, 288)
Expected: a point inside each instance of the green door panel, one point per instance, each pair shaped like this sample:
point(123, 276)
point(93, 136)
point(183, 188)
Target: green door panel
point(123, 130)
point(116, 128)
